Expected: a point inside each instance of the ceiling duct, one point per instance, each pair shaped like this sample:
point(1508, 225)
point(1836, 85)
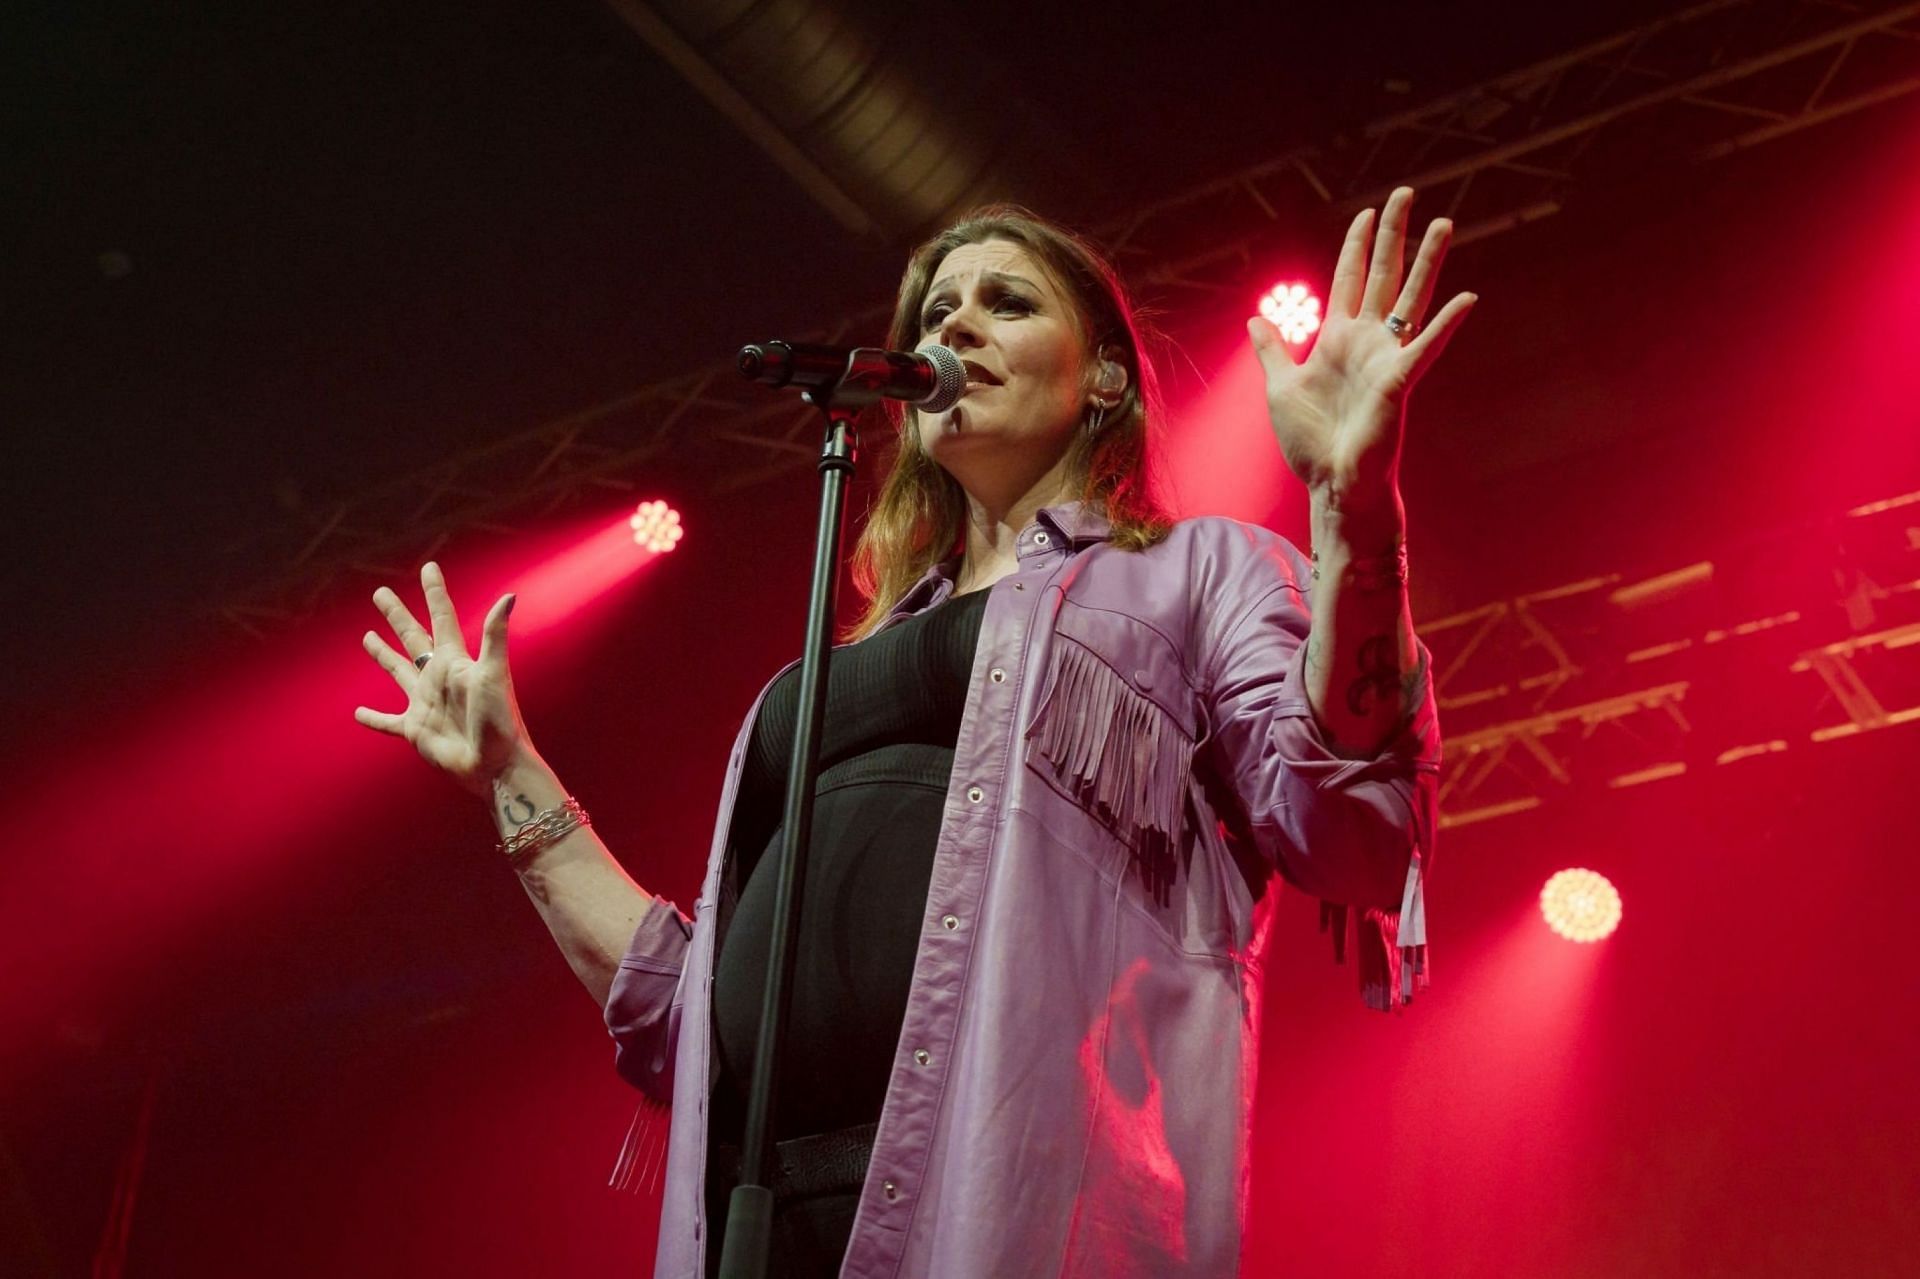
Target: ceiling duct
point(809, 87)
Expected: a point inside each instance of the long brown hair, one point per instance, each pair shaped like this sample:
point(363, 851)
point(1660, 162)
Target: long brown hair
point(919, 517)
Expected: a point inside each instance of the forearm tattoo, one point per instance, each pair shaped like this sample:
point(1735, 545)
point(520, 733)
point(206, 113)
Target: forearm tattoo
point(1380, 675)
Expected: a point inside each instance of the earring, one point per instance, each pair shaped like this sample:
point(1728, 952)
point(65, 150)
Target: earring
point(1099, 416)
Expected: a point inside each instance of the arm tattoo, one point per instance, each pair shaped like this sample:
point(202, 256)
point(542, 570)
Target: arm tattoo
point(506, 810)
point(1380, 675)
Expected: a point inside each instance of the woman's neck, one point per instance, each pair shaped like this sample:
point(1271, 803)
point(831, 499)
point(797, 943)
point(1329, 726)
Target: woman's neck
point(993, 533)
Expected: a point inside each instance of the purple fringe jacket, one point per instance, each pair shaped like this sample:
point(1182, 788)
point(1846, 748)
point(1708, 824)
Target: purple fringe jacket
point(1075, 1075)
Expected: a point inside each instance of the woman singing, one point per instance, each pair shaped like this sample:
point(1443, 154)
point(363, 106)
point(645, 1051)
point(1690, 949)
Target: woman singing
point(1066, 751)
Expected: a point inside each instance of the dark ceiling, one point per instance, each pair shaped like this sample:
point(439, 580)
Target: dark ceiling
point(263, 255)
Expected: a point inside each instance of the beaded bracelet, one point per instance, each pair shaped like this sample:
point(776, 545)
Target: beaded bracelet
point(1381, 573)
point(544, 829)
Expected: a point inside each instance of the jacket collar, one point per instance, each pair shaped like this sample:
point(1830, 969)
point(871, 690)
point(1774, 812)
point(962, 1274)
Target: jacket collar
point(1078, 522)
point(1075, 523)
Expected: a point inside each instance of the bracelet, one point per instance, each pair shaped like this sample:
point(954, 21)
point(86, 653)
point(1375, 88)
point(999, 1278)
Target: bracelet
point(1381, 573)
point(545, 829)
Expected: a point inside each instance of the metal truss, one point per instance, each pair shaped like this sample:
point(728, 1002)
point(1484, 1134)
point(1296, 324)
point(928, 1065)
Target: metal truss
point(713, 419)
point(1701, 83)
point(1608, 683)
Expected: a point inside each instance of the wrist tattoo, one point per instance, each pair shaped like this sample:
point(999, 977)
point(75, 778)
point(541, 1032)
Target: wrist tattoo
point(506, 810)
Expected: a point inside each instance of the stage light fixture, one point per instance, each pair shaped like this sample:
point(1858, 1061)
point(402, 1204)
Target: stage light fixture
point(656, 526)
point(1294, 310)
point(1580, 905)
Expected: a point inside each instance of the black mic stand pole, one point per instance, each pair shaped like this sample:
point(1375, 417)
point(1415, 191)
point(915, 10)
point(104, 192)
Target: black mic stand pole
point(750, 1211)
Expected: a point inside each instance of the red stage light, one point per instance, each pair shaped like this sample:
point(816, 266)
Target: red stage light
point(1294, 310)
point(116, 886)
point(656, 526)
point(1580, 905)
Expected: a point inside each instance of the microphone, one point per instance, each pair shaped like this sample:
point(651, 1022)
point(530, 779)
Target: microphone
point(932, 377)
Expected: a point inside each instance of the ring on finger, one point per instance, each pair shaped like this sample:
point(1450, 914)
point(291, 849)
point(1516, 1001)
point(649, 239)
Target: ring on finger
point(1401, 328)
point(420, 662)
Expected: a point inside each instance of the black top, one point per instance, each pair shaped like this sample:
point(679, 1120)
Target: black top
point(894, 703)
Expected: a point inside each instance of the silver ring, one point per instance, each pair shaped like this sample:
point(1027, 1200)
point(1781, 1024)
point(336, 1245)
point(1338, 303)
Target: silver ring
point(420, 662)
point(1401, 328)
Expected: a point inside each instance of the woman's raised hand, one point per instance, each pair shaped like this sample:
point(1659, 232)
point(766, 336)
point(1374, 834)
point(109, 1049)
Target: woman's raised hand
point(1338, 415)
point(461, 714)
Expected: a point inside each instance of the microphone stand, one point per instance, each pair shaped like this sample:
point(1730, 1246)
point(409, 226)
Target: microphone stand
point(750, 1210)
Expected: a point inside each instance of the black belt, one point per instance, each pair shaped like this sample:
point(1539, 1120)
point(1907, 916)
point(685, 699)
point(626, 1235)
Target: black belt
point(823, 1164)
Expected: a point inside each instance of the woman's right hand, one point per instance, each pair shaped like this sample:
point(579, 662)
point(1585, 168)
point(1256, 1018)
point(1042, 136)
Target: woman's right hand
point(461, 714)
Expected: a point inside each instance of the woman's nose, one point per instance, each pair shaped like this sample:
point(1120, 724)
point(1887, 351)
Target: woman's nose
point(958, 329)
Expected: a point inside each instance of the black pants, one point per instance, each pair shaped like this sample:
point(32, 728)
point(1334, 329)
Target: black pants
point(816, 1192)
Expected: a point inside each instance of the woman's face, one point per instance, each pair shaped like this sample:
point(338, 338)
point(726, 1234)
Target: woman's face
point(1014, 329)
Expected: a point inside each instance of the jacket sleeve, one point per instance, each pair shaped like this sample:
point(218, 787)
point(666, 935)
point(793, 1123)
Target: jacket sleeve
point(1357, 833)
point(645, 1000)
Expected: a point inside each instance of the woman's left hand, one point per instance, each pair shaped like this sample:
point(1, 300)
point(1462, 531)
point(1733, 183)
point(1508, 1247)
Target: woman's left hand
point(1339, 416)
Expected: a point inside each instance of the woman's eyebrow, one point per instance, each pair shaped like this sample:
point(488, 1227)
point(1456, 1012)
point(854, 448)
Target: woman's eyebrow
point(997, 277)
